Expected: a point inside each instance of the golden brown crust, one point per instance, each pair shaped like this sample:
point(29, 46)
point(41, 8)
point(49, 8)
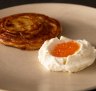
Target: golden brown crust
point(28, 30)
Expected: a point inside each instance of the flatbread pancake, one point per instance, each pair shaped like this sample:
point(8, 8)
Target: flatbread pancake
point(28, 30)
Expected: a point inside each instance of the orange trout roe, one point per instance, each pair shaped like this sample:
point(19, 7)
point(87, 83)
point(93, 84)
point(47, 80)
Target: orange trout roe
point(65, 49)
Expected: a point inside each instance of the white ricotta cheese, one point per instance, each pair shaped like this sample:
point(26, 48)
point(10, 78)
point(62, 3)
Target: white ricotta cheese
point(81, 59)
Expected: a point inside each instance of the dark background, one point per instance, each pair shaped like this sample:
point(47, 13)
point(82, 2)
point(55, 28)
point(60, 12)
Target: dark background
point(9, 3)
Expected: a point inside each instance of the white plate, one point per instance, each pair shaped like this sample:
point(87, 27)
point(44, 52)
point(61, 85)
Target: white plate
point(21, 71)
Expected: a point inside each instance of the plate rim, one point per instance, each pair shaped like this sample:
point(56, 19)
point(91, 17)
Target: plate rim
point(28, 4)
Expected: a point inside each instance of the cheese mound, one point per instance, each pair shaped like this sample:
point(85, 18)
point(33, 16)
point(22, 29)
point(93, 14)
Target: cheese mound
point(82, 58)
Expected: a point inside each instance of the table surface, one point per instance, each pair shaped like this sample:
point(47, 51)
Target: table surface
point(9, 3)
